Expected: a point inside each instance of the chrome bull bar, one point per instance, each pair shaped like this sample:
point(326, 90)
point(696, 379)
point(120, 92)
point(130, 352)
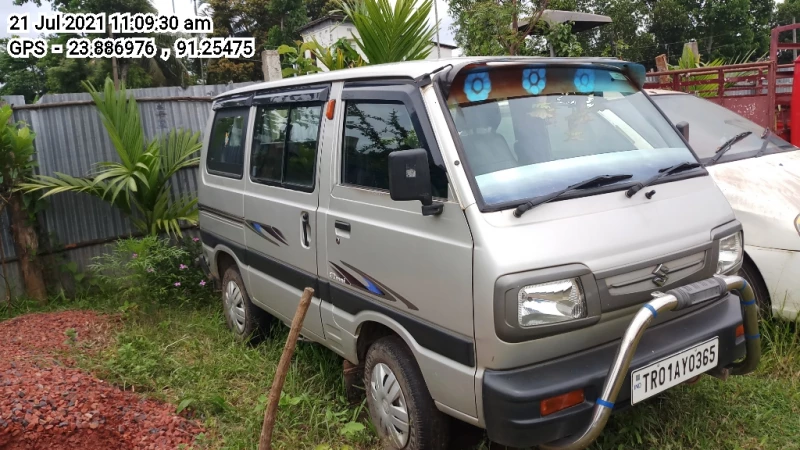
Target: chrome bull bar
point(674, 300)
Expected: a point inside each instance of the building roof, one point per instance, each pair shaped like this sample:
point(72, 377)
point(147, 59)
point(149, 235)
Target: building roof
point(332, 17)
point(340, 18)
point(580, 21)
point(443, 45)
point(407, 69)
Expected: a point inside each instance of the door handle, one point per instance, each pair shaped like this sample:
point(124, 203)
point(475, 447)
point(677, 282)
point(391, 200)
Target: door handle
point(341, 230)
point(306, 227)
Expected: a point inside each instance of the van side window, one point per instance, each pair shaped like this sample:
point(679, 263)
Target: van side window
point(372, 131)
point(285, 145)
point(226, 146)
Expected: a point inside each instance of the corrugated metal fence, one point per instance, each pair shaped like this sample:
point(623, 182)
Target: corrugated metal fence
point(70, 139)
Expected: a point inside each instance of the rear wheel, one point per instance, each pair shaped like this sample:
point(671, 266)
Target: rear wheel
point(400, 406)
point(750, 273)
point(247, 321)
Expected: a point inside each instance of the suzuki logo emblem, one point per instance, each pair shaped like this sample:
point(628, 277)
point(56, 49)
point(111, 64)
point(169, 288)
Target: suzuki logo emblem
point(660, 275)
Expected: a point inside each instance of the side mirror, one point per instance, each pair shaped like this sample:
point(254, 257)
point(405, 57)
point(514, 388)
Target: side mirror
point(683, 127)
point(410, 179)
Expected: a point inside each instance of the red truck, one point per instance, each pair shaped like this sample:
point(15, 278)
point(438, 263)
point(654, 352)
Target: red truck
point(760, 91)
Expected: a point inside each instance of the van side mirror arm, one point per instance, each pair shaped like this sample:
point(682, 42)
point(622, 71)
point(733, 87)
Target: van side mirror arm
point(410, 179)
point(431, 209)
point(683, 127)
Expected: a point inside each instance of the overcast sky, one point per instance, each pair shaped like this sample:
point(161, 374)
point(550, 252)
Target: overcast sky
point(183, 8)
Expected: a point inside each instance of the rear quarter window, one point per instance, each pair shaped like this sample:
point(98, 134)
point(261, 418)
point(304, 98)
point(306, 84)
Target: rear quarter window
point(226, 145)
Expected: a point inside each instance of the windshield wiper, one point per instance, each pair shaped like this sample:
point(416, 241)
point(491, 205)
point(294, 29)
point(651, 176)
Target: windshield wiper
point(600, 180)
point(765, 135)
point(667, 171)
point(727, 146)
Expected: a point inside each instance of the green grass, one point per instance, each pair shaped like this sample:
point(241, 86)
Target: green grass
point(184, 354)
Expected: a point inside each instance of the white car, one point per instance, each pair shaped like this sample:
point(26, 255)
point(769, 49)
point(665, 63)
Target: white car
point(759, 173)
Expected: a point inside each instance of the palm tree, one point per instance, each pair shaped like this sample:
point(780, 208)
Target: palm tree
point(138, 185)
point(389, 34)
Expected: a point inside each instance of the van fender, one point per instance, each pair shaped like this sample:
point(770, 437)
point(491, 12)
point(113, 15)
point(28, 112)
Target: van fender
point(448, 381)
point(213, 260)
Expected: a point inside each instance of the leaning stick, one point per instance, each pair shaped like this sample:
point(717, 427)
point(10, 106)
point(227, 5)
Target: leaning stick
point(265, 443)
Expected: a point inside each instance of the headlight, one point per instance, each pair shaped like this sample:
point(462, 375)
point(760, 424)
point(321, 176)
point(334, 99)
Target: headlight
point(557, 301)
point(797, 223)
point(730, 252)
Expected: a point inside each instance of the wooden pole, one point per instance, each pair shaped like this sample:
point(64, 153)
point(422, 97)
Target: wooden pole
point(265, 443)
point(662, 65)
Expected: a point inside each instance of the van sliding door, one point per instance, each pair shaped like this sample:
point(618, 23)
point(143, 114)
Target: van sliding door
point(281, 201)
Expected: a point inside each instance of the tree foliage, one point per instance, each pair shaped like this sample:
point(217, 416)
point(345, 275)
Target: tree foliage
point(140, 183)
point(387, 34)
point(271, 23)
point(340, 55)
point(487, 27)
point(640, 29)
point(722, 28)
point(21, 76)
point(294, 58)
point(16, 164)
point(63, 74)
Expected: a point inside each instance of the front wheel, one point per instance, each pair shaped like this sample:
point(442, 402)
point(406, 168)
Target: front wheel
point(400, 406)
point(753, 277)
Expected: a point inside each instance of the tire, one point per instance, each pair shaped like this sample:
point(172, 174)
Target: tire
point(247, 321)
point(750, 273)
point(390, 364)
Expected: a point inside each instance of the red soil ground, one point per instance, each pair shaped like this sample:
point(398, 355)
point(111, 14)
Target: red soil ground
point(46, 404)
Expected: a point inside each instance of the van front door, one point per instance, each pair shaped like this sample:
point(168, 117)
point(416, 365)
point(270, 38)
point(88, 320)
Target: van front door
point(281, 200)
point(383, 256)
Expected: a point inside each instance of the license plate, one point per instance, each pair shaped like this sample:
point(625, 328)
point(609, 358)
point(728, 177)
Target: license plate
point(673, 370)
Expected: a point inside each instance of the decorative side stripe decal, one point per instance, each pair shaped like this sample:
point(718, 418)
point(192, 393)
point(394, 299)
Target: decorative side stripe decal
point(219, 213)
point(454, 346)
point(267, 230)
point(369, 284)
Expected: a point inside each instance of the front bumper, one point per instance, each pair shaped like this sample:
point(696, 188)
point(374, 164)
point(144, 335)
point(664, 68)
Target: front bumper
point(511, 397)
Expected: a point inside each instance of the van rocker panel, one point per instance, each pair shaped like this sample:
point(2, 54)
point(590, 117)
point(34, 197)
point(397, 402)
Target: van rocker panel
point(511, 398)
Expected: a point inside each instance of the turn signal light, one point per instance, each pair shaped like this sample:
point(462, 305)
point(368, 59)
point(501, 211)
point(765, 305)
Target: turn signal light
point(329, 110)
point(563, 401)
point(740, 330)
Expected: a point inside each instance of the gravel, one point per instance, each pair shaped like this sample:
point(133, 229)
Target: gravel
point(45, 403)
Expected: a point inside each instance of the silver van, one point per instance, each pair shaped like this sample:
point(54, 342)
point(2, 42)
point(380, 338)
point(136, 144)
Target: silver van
point(523, 244)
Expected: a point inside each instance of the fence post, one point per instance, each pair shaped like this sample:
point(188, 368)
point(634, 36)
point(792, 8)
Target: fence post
point(270, 414)
point(271, 65)
point(720, 83)
point(662, 66)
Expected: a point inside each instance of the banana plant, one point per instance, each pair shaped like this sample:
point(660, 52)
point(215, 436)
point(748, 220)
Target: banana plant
point(294, 58)
point(139, 184)
point(340, 55)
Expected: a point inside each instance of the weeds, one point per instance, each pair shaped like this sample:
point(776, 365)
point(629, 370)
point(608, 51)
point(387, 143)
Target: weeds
point(153, 269)
point(185, 355)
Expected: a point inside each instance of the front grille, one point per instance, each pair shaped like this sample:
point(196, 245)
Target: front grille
point(655, 276)
point(629, 287)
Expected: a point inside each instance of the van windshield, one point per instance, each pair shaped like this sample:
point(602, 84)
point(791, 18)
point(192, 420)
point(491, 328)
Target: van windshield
point(528, 131)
